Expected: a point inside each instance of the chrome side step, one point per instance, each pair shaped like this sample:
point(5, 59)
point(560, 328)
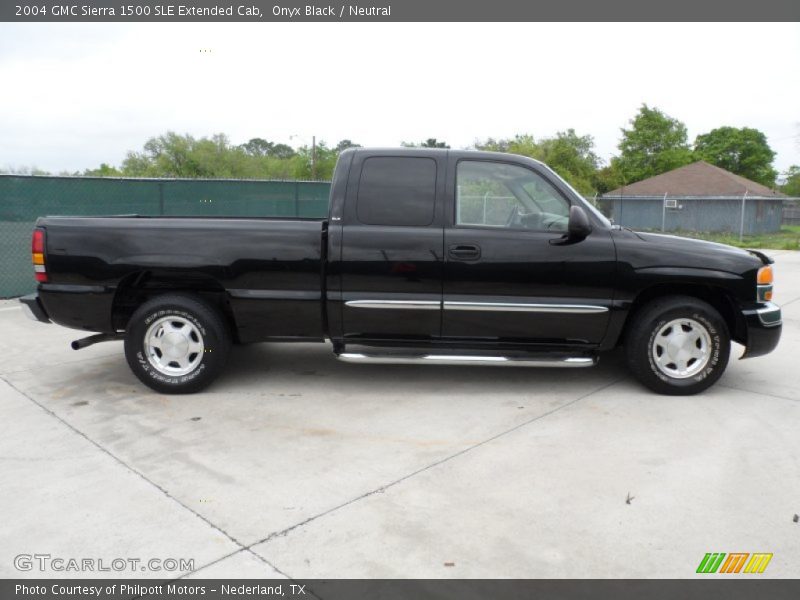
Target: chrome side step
point(456, 359)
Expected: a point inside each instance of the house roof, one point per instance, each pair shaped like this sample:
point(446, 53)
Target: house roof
point(696, 179)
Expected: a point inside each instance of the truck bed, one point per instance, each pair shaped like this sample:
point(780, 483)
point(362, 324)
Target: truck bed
point(262, 266)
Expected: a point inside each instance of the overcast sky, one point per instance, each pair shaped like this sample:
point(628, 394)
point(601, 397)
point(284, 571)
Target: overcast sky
point(75, 95)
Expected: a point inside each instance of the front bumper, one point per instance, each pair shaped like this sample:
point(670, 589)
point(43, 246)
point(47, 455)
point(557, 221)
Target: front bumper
point(764, 326)
point(33, 308)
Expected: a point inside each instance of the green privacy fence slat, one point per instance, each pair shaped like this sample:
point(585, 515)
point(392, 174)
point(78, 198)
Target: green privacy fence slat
point(24, 198)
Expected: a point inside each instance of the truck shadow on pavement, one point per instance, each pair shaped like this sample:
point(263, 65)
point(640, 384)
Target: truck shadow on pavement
point(315, 365)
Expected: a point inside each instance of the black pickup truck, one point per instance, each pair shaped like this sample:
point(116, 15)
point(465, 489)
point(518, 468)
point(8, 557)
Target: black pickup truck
point(427, 256)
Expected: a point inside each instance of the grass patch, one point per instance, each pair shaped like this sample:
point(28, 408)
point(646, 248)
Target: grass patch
point(788, 238)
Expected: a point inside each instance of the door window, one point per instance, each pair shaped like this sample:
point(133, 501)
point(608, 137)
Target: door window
point(494, 194)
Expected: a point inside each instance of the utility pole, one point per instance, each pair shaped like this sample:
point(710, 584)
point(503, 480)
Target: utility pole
point(313, 153)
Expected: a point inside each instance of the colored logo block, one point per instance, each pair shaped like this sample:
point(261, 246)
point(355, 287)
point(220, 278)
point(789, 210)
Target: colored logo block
point(735, 562)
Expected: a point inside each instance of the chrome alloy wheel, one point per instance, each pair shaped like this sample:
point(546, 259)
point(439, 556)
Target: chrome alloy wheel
point(173, 346)
point(681, 348)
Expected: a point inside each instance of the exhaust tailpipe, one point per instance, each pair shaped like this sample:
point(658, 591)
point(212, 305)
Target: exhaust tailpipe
point(96, 339)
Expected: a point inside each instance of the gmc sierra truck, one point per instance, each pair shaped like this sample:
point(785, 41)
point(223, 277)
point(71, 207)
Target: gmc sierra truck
point(426, 256)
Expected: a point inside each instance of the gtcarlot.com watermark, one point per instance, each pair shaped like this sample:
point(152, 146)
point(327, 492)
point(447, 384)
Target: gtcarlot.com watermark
point(59, 564)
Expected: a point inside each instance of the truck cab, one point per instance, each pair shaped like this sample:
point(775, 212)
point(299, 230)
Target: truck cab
point(464, 250)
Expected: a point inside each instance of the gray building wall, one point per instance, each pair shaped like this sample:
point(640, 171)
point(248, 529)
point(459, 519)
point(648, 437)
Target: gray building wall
point(762, 215)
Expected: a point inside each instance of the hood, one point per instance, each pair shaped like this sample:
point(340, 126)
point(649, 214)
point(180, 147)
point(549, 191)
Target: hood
point(661, 250)
point(701, 246)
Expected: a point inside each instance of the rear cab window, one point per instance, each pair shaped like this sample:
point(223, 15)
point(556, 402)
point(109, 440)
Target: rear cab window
point(397, 191)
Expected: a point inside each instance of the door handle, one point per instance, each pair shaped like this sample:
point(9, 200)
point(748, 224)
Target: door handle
point(465, 251)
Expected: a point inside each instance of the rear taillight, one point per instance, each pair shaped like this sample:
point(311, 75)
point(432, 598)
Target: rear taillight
point(37, 249)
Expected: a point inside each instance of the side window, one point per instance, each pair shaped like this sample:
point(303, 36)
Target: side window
point(493, 194)
point(397, 191)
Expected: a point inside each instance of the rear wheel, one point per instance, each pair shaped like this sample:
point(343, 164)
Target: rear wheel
point(176, 344)
point(678, 345)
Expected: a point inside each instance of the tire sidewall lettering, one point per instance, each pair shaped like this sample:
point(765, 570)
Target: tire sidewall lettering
point(176, 313)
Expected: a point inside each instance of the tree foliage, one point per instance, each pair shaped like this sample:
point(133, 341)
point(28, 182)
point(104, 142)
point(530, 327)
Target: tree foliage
point(791, 184)
point(262, 147)
point(744, 151)
point(104, 170)
point(11, 170)
point(175, 155)
point(429, 143)
point(655, 143)
point(316, 164)
point(570, 155)
point(345, 144)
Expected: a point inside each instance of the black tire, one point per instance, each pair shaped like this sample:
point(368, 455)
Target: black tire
point(202, 327)
point(643, 349)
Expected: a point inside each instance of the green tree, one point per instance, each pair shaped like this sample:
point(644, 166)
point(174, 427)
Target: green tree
point(570, 155)
point(262, 147)
point(9, 170)
point(257, 147)
point(324, 161)
point(523, 144)
point(791, 184)
point(174, 155)
point(495, 145)
point(429, 143)
point(654, 144)
point(742, 151)
point(607, 179)
point(104, 170)
point(344, 145)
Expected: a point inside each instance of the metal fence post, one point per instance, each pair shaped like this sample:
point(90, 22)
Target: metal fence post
point(296, 198)
point(741, 223)
point(664, 213)
point(161, 198)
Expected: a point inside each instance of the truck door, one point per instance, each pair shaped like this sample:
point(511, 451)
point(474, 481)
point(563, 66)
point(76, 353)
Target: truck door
point(507, 277)
point(392, 247)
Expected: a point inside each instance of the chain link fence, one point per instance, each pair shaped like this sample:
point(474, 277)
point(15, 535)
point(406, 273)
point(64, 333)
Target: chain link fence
point(738, 215)
point(25, 198)
point(791, 212)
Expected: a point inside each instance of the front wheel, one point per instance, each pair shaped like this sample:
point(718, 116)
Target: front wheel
point(677, 345)
point(176, 344)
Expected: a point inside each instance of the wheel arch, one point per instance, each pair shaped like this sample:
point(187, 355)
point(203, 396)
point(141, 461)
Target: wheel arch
point(139, 287)
point(718, 297)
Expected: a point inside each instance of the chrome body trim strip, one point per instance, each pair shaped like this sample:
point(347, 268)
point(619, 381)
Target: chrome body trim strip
point(397, 304)
point(248, 294)
point(767, 311)
point(478, 306)
point(524, 307)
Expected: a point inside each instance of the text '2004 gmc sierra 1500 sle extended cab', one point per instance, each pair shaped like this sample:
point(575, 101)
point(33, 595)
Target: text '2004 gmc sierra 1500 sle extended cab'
point(426, 256)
